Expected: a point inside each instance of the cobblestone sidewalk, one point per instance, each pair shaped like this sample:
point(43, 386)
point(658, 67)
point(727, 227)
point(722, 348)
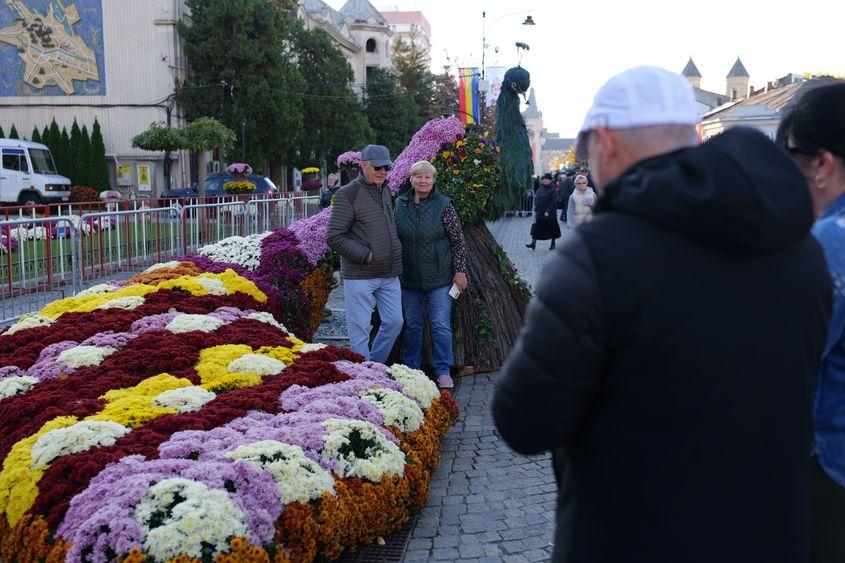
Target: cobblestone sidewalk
point(488, 503)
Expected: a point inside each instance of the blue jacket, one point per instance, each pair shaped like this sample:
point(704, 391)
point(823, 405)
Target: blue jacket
point(829, 405)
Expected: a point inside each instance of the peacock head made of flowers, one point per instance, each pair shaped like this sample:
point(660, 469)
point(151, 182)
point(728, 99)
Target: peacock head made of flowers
point(518, 80)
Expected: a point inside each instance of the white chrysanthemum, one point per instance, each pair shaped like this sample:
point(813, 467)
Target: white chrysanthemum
point(312, 347)
point(189, 323)
point(128, 302)
point(84, 356)
point(299, 478)
point(244, 251)
point(361, 450)
point(415, 384)
point(269, 319)
point(184, 399)
point(162, 265)
point(397, 409)
point(77, 438)
point(183, 517)
point(29, 321)
point(98, 289)
point(256, 363)
point(16, 386)
point(213, 286)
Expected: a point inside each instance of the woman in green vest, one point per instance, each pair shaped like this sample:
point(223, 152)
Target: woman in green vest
point(433, 259)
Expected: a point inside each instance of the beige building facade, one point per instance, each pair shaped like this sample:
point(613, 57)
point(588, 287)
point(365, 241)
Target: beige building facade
point(139, 59)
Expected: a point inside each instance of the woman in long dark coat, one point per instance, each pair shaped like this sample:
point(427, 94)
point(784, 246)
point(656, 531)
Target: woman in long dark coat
point(545, 225)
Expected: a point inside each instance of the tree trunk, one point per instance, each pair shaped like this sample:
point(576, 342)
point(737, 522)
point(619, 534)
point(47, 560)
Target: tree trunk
point(202, 213)
point(487, 318)
point(202, 173)
point(167, 168)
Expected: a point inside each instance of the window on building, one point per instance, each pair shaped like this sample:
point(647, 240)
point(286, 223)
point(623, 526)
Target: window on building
point(371, 45)
point(370, 70)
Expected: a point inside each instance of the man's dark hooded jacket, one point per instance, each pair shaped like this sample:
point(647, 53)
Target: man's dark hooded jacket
point(692, 312)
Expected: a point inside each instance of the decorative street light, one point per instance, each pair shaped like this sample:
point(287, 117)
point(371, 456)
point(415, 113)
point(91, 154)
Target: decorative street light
point(528, 21)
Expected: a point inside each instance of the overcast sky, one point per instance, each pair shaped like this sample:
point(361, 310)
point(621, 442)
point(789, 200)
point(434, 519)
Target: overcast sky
point(576, 46)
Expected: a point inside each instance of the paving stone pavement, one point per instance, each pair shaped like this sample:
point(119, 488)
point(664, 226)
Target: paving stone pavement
point(488, 503)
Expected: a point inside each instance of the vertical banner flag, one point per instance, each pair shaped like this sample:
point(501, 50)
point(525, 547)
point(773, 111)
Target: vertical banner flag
point(468, 95)
point(495, 75)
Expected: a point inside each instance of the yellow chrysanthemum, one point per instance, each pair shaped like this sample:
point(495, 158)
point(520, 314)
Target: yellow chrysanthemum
point(88, 303)
point(213, 372)
point(214, 362)
point(235, 283)
point(19, 476)
point(133, 406)
point(284, 355)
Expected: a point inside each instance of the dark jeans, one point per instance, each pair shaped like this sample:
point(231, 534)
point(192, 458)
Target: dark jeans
point(827, 517)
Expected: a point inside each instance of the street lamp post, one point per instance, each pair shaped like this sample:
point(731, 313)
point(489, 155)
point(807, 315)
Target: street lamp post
point(528, 21)
point(243, 140)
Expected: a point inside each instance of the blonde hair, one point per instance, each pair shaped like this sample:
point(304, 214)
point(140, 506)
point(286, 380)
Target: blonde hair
point(580, 177)
point(423, 166)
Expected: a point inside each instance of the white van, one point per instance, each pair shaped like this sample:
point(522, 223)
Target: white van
point(28, 174)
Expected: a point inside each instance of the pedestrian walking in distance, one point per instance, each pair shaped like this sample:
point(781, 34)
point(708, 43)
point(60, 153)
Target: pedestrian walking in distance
point(545, 225)
point(692, 312)
point(579, 210)
point(814, 133)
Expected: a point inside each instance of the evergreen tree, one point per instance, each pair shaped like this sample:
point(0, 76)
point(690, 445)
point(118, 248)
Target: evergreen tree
point(393, 115)
point(83, 168)
point(64, 150)
point(336, 121)
point(73, 153)
point(414, 77)
point(13, 133)
point(260, 89)
point(2, 134)
point(445, 95)
point(36, 136)
point(45, 136)
point(99, 168)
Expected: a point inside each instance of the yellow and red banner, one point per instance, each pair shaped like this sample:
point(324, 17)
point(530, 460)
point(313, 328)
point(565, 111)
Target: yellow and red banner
point(469, 106)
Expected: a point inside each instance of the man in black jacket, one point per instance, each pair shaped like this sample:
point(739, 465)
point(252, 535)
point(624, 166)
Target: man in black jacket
point(692, 312)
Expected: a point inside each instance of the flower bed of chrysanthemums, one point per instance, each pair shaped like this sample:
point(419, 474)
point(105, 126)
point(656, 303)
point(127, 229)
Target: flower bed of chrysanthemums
point(292, 265)
point(175, 417)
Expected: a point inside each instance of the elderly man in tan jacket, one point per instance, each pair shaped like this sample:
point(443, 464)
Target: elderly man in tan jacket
point(362, 230)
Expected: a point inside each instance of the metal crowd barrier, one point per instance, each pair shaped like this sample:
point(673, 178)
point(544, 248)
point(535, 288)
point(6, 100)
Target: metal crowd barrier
point(39, 264)
point(48, 258)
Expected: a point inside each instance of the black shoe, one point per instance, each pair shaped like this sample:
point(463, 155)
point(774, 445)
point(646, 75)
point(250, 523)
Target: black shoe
point(532, 245)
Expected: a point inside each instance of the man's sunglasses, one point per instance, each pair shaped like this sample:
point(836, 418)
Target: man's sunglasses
point(794, 151)
point(386, 167)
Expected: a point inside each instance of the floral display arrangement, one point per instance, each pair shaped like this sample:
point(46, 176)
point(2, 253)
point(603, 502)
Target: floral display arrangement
point(310, 170)
point(293, 264)
point(237, 187)
point(467, 162)
point(348, 159)
point(83, 194)
point(239, 168)
point(175, 418)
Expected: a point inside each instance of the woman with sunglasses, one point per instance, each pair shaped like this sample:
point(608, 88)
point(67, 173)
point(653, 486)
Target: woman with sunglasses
point(814, 132)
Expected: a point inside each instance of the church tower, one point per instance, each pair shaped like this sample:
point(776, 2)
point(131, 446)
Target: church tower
point(692, 75)
point(737, 81)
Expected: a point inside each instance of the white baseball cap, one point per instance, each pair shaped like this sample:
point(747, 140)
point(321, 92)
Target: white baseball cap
point(640, 97)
